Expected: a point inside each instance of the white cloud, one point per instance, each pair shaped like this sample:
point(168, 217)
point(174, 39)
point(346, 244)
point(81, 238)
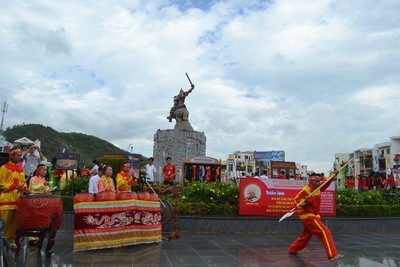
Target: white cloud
point(310, 77)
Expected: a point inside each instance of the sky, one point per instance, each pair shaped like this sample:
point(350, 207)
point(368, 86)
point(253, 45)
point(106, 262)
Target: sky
point(310, 77)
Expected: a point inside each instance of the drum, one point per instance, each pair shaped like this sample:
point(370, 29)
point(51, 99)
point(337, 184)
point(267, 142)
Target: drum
point(83, 197)
point(143, 196)
point(106, 196)
point(154, 197)
point(126, 195)
point(35, 211)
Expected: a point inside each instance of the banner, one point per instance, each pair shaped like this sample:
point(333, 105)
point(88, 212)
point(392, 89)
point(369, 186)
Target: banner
point(275, 196)
point(67, 161)
point(107, 224)
point(267, 156)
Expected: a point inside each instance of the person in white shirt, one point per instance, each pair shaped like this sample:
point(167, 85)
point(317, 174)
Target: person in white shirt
point(150, 171)
point(264, 175)
point(94, 181)
point(95, 168)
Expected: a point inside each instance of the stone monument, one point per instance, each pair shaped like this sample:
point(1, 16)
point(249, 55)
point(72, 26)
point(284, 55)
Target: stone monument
point(181, 142)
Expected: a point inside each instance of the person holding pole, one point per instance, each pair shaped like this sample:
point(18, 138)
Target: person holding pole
point(308, 201)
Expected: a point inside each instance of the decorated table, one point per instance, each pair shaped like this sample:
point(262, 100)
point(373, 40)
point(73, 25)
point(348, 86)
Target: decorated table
point(107, 224)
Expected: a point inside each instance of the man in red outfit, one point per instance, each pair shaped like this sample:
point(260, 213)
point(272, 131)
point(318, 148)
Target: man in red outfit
point(169, 172)
point(311, 219)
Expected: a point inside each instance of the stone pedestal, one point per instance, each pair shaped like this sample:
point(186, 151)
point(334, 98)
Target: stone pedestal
point(178, 145)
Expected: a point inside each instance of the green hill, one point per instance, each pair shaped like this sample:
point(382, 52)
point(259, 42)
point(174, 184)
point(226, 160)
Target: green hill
point(52, 142)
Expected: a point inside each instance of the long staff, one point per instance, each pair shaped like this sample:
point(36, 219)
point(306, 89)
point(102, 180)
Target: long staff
point(331, 176)
point(155, 192)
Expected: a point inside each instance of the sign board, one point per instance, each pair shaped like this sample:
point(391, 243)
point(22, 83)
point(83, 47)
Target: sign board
point(267, 156)
point(67, 161)
point(288, 167)
point(134, 160)
point(275, 196)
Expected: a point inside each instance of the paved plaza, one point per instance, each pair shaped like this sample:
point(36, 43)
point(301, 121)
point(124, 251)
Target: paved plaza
point(223, 249)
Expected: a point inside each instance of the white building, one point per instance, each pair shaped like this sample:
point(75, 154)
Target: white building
point(239, 163)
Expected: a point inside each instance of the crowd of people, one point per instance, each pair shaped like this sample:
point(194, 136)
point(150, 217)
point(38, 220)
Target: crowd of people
point(374, 181)
point(24, 174)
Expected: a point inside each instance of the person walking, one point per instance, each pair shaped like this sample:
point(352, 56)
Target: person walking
point(311, 219)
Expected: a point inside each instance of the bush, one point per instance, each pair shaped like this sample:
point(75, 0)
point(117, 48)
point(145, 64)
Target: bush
point(368, 210)
point(209, 199)
point(76, 186)
point(68, 203)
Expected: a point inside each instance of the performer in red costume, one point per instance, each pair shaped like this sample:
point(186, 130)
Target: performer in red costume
point(311, 219)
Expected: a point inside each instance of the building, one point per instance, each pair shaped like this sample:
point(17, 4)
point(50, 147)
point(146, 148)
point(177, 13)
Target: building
point(395, 152)
point(239, 163)
point(5, 146)
point(382, 158)
point(362, 161)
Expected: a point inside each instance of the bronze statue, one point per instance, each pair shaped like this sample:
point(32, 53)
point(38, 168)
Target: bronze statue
point(179, 111)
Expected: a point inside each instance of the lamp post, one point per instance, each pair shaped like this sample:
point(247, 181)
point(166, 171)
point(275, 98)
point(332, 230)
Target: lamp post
point(131, 147)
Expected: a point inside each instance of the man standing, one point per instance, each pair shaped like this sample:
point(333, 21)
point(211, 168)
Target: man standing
point(94, 180)
point(32, 160)
point(95, 167)
point(169, 172)
point(12, 185)
point(311, 219)
point(150, 171)
point(264, 175)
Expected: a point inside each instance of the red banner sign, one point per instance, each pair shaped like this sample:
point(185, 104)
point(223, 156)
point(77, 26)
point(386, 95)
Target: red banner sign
point(275, 196)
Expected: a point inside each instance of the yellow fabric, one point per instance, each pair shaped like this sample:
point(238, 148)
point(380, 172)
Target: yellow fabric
point(10, 222)
point(8, 198)
point(106, 184)
point(326, 238)
point(63, 180)
point(124, 183)
point(304, 216)
point(36, 185)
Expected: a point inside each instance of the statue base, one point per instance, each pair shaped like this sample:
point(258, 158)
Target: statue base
point(179, 145)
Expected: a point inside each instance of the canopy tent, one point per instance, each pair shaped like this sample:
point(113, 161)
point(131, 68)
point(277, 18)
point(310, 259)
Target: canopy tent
point(24, 141)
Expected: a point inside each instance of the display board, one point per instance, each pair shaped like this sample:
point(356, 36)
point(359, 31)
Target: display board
point(67, 161)
point(275, 196)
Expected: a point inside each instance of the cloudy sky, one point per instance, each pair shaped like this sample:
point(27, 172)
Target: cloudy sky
point(309, 77)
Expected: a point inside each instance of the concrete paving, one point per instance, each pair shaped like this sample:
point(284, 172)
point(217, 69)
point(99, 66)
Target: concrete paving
point(224, 249)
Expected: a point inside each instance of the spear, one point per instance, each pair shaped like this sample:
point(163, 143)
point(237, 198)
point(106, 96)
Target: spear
point(331, 176)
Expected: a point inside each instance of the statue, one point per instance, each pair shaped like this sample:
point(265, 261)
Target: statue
point(179, 111)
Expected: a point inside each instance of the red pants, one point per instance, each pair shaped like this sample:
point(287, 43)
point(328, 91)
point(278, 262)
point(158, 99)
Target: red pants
point(314, 226)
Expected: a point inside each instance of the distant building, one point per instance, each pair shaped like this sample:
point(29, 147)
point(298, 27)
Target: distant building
point(240, 162)
point(5, 146)
point(362, 161)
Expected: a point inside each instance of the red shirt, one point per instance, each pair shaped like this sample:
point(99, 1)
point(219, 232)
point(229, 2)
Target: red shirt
point(169, 172)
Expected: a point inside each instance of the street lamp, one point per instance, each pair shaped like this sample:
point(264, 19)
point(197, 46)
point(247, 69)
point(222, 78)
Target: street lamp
point(130, 146)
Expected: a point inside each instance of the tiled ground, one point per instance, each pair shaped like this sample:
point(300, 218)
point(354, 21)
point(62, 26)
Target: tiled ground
point(250, 250)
